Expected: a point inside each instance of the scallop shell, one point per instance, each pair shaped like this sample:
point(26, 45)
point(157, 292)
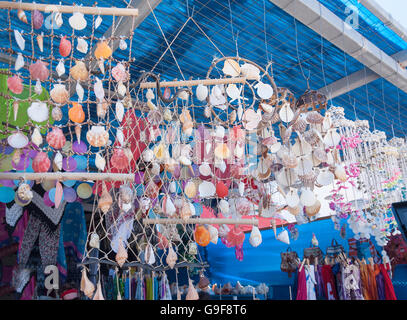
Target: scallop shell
point(105, 201)
point(308, 197)
point(231, 68)
point(119, 73)
point(119, 159)
point(325, 178)
point(205, 169)
point(190, 189)
point(286, 113)
point(300, 125)
point(100, 162)
point(103, 51)
point(233, 91)
point(201, 92)
point(36, 137)
point(59, 94)
point(15, 84)
point(82, 45)
point(255, 237)
point(56, 114)
point(37, 19)
point(19, 62)
point(250, 72)
point(314, 117)
point(58, 160)
point(38, 111)
point(79, 71)
point(56, 138)
point(77, 21)
point(121, 254)
point(264, 90)
point(65, 47)
point(314, 209)
point(41, 162)
point(313, 137)
point(60, 68)
point(87, 287)
point(214, 234)
point(97, 136)
point(19, 39)
point(17, 140)
point(171, 258)
point(39, 71)
point(251, 119)
point(207, 189)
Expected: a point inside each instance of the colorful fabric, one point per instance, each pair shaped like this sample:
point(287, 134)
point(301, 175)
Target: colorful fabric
point(301, 285)
point(329, 283)
point(372, 282)
point(336, 270)
point(353, 250)
point(310, 281)
point(388, 285)
point(351, 283)
point(381, 291)
point(320, 283)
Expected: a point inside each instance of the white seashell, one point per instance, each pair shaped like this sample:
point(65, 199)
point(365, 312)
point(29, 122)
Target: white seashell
point(332, 138)
point(149, 255)
point(171, 257)
point(220, 132)
point(173, 187)
point(169, 207)
point(98, 89)
point(233, 91)
point(340, 173)
point(267, 108)
point(201, 92)
point(255, 237)
point(19, 62)
point(100, 162)
point(19, 39)
point(60, 68)
point(304, 166)
point(123, 44)
point(82, 45)
point(58, 160)
point(231, 68)
point(148, 155)
point(238, 152)
point(119, 111)
point(38, 87)
point(286, 114)
point(183, 95)
point(98, 21)
point(77, 21)
point(216, 98)
point(214, 234)
point(38, 111)
point(58, 19)
point(283, 237)
point(325, 178)
point(94, 241)
point(185, 160)
point(79, 91)
point(36, 137)
point(150, 94)
point(208, 147)
point(224, 207)
point(120, 136)
point(221, 165)
point(205, 169)
point(264, 90)
point(308, 197)
point(17, 140)
point(241, 188)
point(286, 177)
point(301, 148)
point(101, 65)
point(250, 72)
point(121, 89)
point(292, 198)
point(206, 189)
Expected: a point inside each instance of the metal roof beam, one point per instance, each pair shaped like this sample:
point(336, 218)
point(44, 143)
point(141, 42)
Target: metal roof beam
point(358, 79)
point(385, 17)
point(321, 20)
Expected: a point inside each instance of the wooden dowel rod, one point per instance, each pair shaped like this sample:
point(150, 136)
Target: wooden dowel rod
point(69, 9)
point(62, 176)
point(253, 222)
point(191, 83)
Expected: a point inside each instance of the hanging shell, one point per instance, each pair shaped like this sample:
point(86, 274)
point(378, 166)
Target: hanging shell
point(301, 148)
point(314, 117)
point(286, 113)
point(289, 161)
point(105, 201)
point(250, 72)
point(76, 113)
point(87, 287)
point(15, 84)
point(56, 138)
point(332, 138)
point(58, 19)
point(320, 155)
point(38, 87)
point(201, 92)
point(21, 16)
point(98, 89)
point(79, 91)
point(255, 237)
point(308, 197)
point(214, 235)
point(101, 108)
point(17, 140)
point(340, 173)
point(149, 256)
point(325, 178)
point(40, 41)
point(24, 192)
point(39, 71)
point(103, 50)
point(206, 189)
point(56, 113)
point(98, 294)
point(286, 177)
point(38, 111)
point(19, 39)
point(313, 137)
point(60, 68)
point(224, 207)
point(65, 47)
point(300, 125)
point(100, 162)
point(192, 293)
point(19, 62)
point(122, 44)
point(314, 209)
point(292, 198)
point(264, 90)
point(77, 21)
point(37, 19)
point(121, 89)
point(119, 111)
point(121, 255)
point(190, 189)
point(94, 241)
point(36, 137)
point(82, 45)
point(295, 210)
point(98, 21)
point(119, 73)
point(171, 257)
point(79, 71)
point(231, 68)
point(284, 237)
point(251, 119)
point(41, 162)
point(58, 160)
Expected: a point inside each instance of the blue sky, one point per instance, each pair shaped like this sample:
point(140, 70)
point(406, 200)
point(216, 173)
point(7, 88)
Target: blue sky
point(397, 8)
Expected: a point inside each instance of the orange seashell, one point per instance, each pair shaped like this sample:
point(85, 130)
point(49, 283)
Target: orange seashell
point(79, 71)
point(39, 71)
point(119, 159)
point(41, 162)
point(76, 113)
point(15, 84)
point(221, 190)
point(103, 50)
point(65, 47)
point(202, 236)
point(56, 138)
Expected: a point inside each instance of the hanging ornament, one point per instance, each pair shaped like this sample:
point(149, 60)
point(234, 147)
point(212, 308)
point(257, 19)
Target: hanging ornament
point(77, 21)
point(21, 15)
point(19, 62)
point(98, 21)
point(19, 39)
point(40, 41)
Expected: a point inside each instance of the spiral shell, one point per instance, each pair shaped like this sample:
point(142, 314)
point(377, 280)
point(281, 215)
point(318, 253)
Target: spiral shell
point(315, 117)
point(97, 136)
point(56, 138)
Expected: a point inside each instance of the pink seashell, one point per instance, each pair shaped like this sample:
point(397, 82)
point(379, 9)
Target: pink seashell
point(65, 47)
point(37, 19)
point(56, 138)
point(58, 194)
point(119, 159)
point(39, 71)
point(41, 162)
point(119, 73)
point(15, 84)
